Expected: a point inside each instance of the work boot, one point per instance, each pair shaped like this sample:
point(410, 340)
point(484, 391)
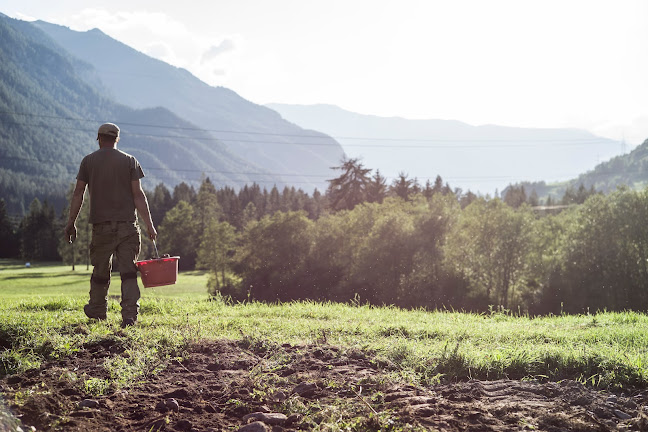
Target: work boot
point(88, 311)
point(128, 322)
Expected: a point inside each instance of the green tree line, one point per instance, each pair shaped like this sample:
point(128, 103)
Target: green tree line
point(432, 253)
point(401, 244)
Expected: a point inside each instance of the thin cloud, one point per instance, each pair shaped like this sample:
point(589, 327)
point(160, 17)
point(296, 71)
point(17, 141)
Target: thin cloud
point(216, 50)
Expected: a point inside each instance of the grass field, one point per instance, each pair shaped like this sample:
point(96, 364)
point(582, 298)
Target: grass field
point(41, 318)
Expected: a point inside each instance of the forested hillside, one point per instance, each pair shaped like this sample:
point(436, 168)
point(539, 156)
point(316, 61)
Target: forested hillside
point(629, 170)
point(48, 121)
point(252, 132)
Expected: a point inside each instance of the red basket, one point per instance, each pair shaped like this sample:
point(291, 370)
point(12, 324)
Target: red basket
point(159, 271)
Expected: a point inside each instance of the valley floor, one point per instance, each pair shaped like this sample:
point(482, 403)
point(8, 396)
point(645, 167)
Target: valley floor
point(195, 363)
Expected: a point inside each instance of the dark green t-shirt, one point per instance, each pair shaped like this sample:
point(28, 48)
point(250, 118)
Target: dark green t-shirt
point(108, 173)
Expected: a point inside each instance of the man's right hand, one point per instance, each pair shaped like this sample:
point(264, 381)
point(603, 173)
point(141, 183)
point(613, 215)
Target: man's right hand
point(70, 233)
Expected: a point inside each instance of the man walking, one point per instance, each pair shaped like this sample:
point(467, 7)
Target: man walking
point(113, 180)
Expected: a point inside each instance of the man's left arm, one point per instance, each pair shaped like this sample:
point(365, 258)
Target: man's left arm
point(141, 204)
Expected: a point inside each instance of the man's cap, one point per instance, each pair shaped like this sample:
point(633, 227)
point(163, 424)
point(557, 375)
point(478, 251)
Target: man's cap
point(108, 129)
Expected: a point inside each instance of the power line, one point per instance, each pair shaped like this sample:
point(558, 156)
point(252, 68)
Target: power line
point(460, 145)
point(316, 176)
point(515, 142)
point(48, 161)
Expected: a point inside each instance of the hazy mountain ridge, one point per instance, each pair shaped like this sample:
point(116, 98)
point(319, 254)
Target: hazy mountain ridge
point(48, 120)
point(481, 158)
point(252, 132)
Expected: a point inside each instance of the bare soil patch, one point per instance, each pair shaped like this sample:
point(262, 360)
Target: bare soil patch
point(225, 385)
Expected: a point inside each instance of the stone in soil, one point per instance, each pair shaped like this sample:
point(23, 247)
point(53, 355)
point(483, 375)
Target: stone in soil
point(89, 403)
point(254, 427)
point(268, 418)
point(172, 404)
point(305, 389)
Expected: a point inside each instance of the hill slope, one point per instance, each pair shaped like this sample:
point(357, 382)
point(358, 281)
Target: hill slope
point(630, 169)
point(252, 132)
point(480, 158)
point(625, 170)
point(49, 115)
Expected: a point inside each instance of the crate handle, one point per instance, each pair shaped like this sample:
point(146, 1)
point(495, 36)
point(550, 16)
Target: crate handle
point(157, 255)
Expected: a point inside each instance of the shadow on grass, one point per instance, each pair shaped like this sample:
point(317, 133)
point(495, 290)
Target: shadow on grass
point(194, 272)
point(43, 275)
point(14, 264)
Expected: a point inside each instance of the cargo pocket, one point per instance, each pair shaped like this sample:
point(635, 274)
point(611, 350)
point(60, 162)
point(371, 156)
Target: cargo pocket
point(91, 249)
point(101, 248)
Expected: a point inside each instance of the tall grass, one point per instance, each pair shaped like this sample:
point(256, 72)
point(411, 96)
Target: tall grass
point(43, 321)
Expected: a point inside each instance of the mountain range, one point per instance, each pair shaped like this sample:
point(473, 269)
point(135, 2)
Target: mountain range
point(477, 158)
point(57, 85)
point(53, 99)
point(253, 133)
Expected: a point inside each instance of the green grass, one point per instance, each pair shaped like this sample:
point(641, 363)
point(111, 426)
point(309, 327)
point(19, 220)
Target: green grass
point(42, 318)
point(57, 280)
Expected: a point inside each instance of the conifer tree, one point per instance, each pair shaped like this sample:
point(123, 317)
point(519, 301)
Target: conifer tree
point(160, 202)
point(184, 192)
point(350, 188)
point(8, 235)
point(79, 251)
point(402, 186)
point(207, 206)
point(377, 188)
point(39, 233)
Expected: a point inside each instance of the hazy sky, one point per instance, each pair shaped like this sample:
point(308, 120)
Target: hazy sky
point(539, 63)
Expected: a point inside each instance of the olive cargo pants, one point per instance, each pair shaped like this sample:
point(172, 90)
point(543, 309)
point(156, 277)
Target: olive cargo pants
point(122, 240)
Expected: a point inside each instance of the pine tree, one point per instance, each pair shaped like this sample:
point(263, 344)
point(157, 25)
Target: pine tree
point(427, 190)
point(438, 185)
point(160, 202)
point(350, 188)
point(207, 206)
point(402, 187)
point(79, 251)
point(274, 201)
point(515, 196)
point(533, 199)
point(183, 192)
point(8, 235)
point(377, 188)
point(549, 202)
point(39, 233)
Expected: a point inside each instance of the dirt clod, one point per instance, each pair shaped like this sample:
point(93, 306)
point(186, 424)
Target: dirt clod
point(183, 425)
point(161, 406)
point(305, 389)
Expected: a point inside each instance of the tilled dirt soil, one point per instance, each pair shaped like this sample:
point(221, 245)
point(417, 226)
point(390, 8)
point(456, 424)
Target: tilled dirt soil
point(223, 386)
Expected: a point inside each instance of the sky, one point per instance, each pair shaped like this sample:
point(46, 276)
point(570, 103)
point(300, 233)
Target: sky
point(525, 63)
